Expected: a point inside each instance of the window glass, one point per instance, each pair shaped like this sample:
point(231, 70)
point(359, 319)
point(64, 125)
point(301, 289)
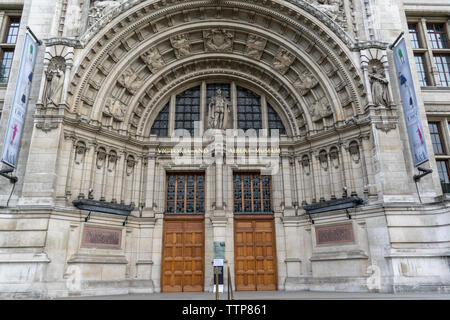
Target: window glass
point(248, 110)
point(252, 193)
point(185, 193)
point(421, 73)
point(187, 109)
point(5, 64)
point(274, 121)
point(443, 67)
point(161, 125)
point(436, 140)
point(437, 35)
point(413, 35)
point(12, 30)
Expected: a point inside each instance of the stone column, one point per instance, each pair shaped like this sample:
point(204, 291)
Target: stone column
point(293, 243)
point(149, 187)
point(287, 188)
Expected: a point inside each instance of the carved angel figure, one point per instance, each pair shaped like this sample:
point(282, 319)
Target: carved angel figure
point(282, 61)
point(114, 108)
point(181, 45)
point(129, 80)
point(255, 46)
point(153, 60)
point(305, 82)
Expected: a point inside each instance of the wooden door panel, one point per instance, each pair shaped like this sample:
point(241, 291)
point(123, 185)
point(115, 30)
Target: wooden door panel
point(183, 255)
point(255, 257)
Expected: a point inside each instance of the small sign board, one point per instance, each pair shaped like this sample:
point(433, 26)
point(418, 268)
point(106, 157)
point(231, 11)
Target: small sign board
point(218, 263)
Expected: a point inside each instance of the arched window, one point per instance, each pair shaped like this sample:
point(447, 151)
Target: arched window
point(274, 121)
point(187, 109)
point(248, 110)
point(190, 107)
point(161, 125)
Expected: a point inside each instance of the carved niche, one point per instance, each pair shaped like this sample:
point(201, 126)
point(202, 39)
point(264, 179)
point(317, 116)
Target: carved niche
point(353, 149)
point(153, 59)
point(255, 46)
point(112, 160)
point(378, 84)
point(130, 165)
point(282, 61)
point(101, 158)
point(305, 165)
point(181, 46)
point(80, 152)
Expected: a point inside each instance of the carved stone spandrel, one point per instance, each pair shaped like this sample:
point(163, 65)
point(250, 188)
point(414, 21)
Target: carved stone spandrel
point(181, 45)
point(282, 61)
point(218, 40)
point(153, 59)
point(255, 46)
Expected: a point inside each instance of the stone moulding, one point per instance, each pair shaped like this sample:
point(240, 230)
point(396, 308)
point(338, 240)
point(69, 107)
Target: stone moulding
point(98, 259)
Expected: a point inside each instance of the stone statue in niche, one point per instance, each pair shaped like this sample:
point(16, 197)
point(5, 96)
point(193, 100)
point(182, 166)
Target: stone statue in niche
point(80, 151)
point(115, 108)
point(305, 82)
point(320, 109)
point(219, 40)
point(218, 109)
point(181, 45)
point(130, 81)
point(255, 46)
point(153, 60)
point(379, 87)
point(112, 159)
point(282, 61)
point(101, 157)
point(99, 8)
point(54, 81)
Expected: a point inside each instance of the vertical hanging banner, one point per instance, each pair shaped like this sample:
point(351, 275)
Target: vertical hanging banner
point(20, 102)
point(410, 107)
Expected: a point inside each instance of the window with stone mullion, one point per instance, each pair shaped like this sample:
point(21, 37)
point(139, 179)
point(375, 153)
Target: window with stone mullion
point(248, 110)
point(252, 193)
point(187, 109)
point(274, 121)
point(161, 125)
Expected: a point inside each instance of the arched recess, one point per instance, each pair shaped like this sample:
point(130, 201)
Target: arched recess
point(281, 47)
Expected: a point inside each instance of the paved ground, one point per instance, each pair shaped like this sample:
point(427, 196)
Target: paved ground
point(275, 295)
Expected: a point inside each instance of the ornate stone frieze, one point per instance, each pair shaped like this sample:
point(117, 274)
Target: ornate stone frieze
point(282, 61)
point(218, 40)
point(98, 9)
point(181, 45)
point(255, 46)
point(334, 9)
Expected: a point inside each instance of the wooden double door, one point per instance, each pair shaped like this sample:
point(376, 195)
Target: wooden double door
point(255, 264)
point(183, 253)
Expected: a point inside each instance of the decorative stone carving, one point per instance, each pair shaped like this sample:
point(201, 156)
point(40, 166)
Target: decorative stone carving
point(153, 60)
point(323, 159)
point(334, 157)
point(47, 125)
point(218, 40)
point(129, 81)
point(218, 108)
point(101, 157)
point(115, 108)
point(80, 151)
point(130, 165)
point(379, 87)
point(282, 61)
point(112, 160)
point(353, 149)
point(99, 8)
point(320, 109)
point(181, 45)
point(54, 81)
point(255, 46)
point(305, 165)
point(332, 8)
point(305, 82)
point(385, 127)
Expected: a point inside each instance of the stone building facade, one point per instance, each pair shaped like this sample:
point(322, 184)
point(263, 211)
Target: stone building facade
point(116, 81)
